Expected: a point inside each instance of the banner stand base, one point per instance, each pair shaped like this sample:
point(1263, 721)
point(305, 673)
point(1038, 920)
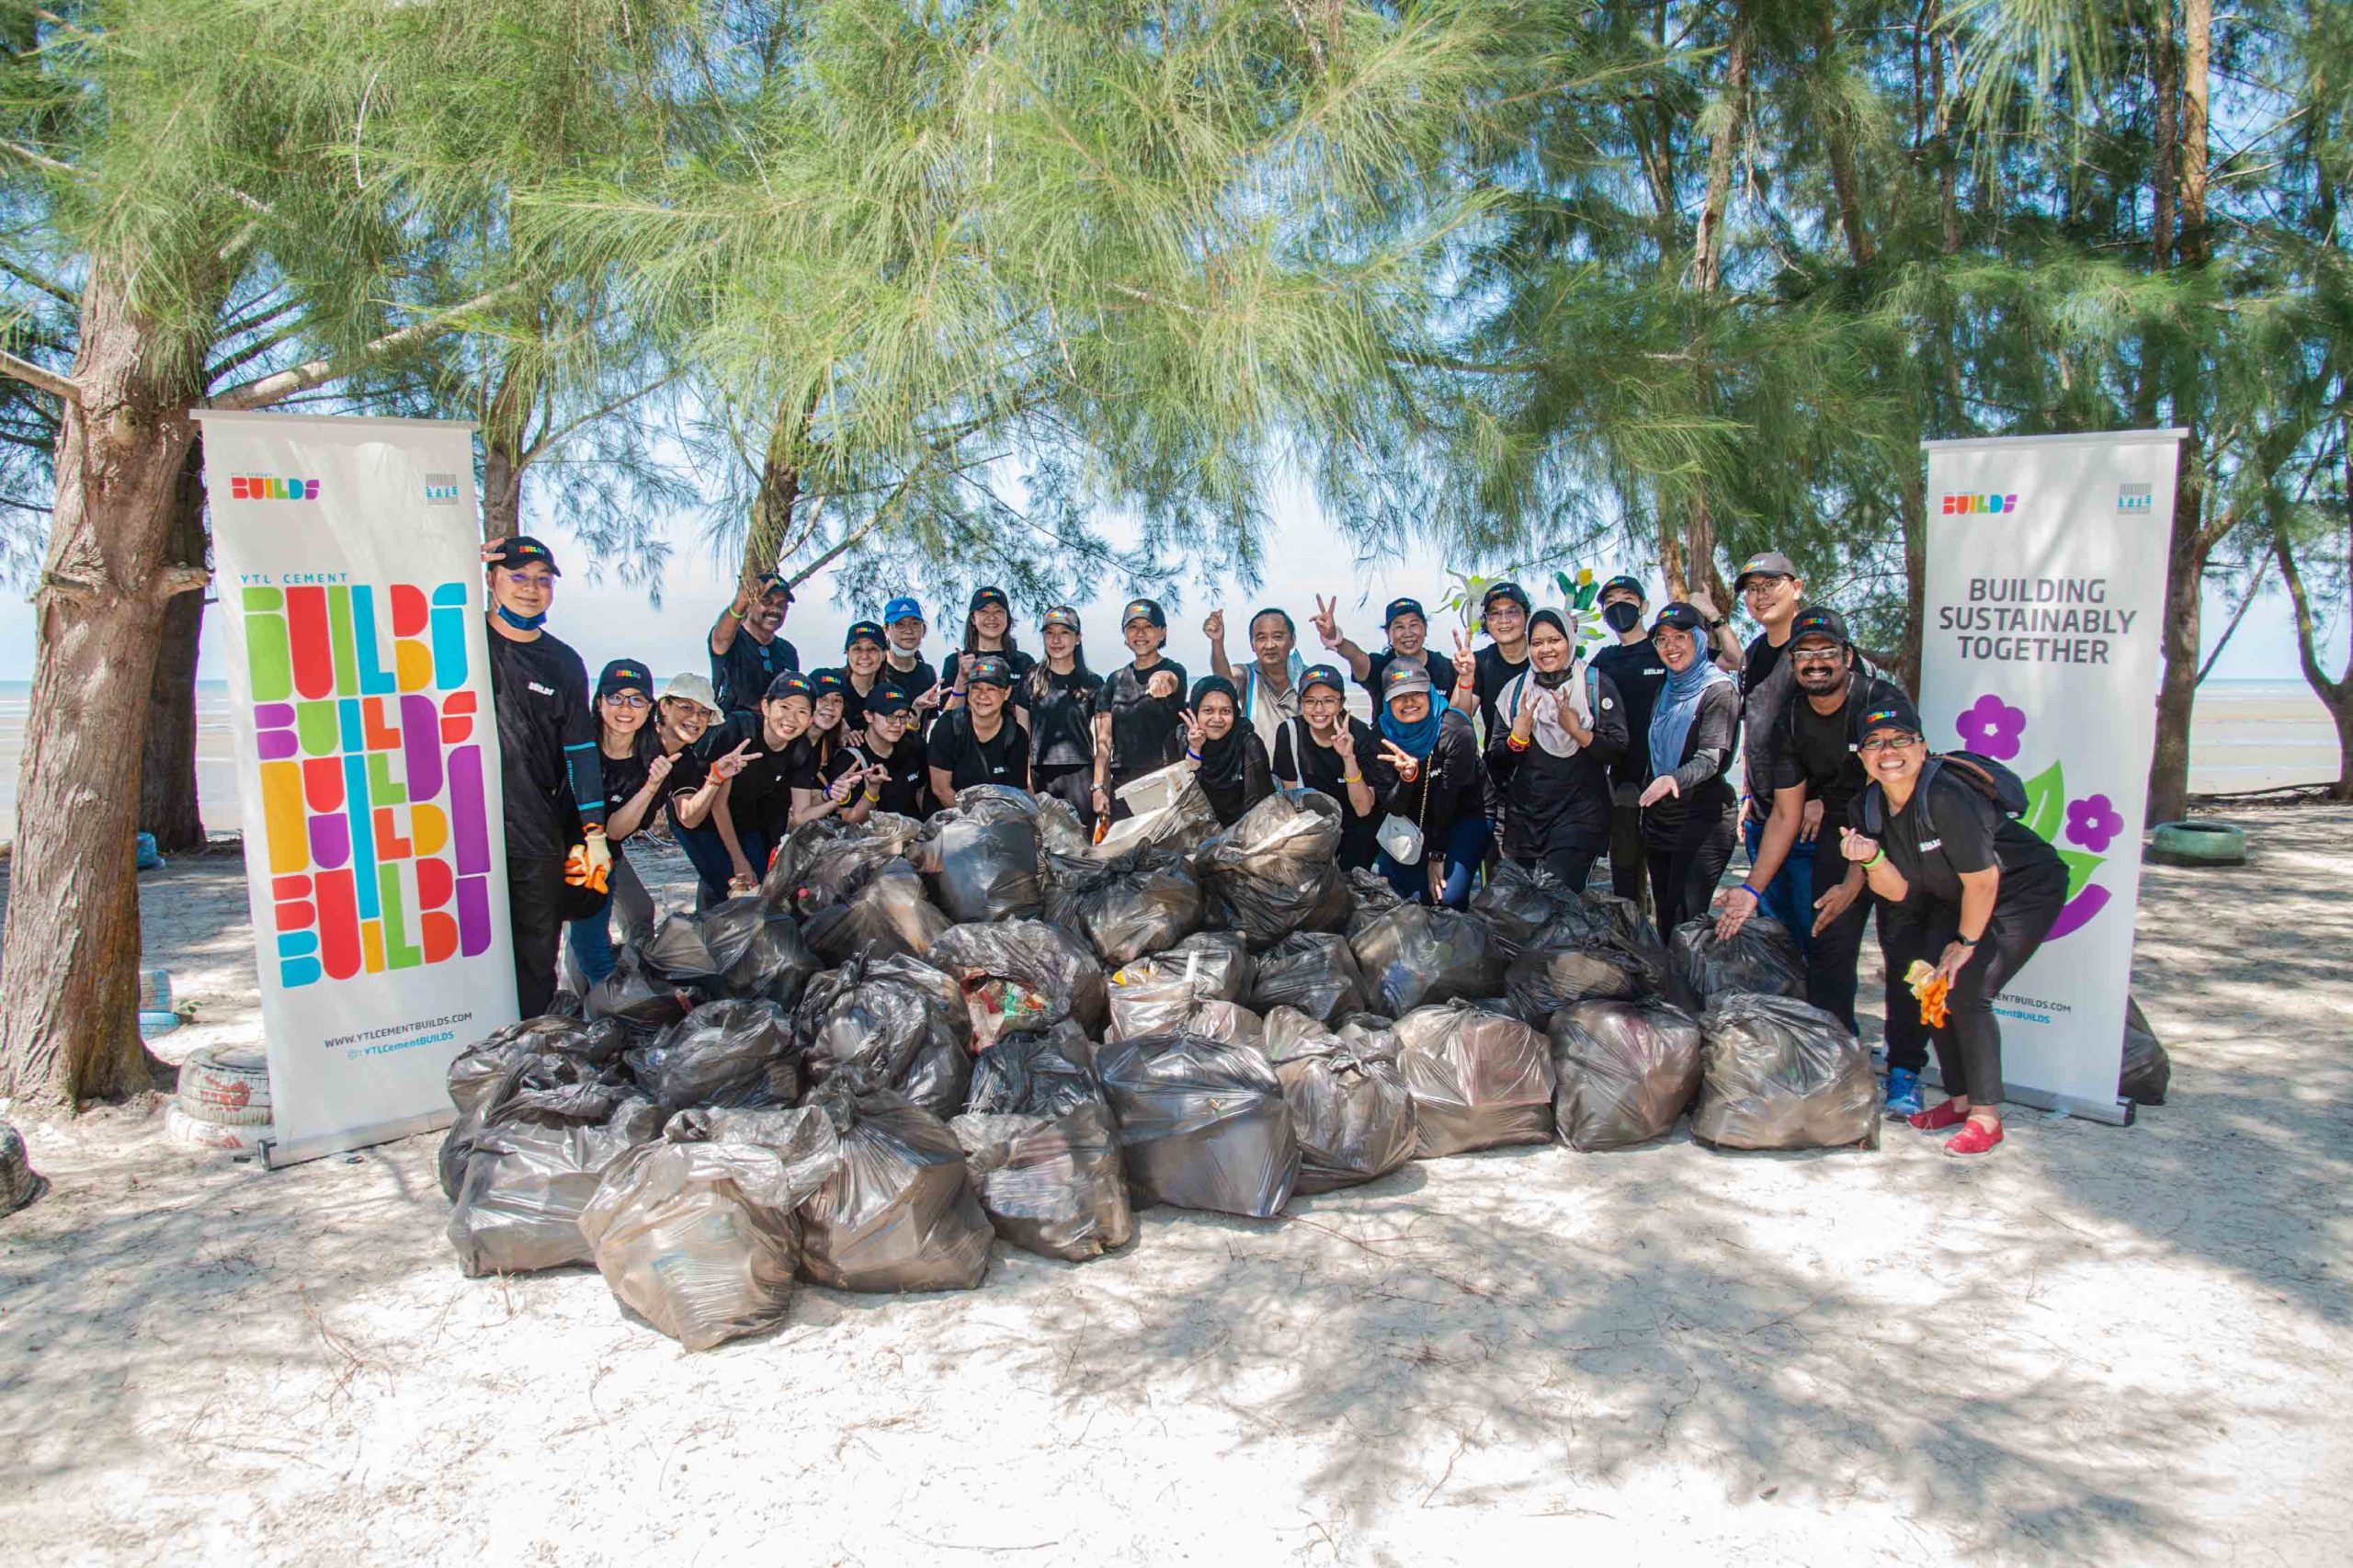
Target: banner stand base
point(275, 1155)
point(2112, 1113)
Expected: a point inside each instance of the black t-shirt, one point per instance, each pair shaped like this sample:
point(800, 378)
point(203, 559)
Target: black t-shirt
point(539, 689)
point(1003, 758)
point(761, 797)
point(1022, 664)
point(908, 790)
point(1639, 674)
point(690, 770)
point(1820, 754)
point(913, 682)
point(1960, 830)
point(1441, 668)
point(741, 674)
point(1146, 733)
point(1767, 686)
point(1061, 725)
point(1491, 672)
point(1321, 767)
point(625, 775)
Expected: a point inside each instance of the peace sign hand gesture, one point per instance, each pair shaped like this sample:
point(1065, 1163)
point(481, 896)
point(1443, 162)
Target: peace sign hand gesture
point(732, 763)
point(1466, 665)
point(1194, 734)
point(1326, 627)
point(1408, 766)
point(1345, 742)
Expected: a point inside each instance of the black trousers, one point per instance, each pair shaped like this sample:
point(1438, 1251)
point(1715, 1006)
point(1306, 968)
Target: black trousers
point(1571, 866)
point(1969, 1045)
point(534, 907)
point(1830, 963)
point(1687, 864)
point(1071, 783)
point(1628, 866)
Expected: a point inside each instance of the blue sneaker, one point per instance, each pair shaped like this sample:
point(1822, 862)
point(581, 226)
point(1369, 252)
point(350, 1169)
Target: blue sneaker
point(1903, 1092)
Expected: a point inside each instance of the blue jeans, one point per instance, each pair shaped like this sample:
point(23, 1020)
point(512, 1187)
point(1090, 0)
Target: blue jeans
point(1789, 898)
point(708, 855)
point(1466, 849)
point(591, 940)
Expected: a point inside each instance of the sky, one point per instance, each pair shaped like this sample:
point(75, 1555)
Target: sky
point(1304, 556)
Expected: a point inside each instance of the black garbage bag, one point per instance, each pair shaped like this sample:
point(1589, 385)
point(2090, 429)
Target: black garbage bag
point(1277, 870)
point(1480, 1079)
point(1626, 1070)
point(1369, 898)
point(1528, 908)
point(636, 1000)
point(980, 856)
point(899, 1213)
point(1414, 954)
point(1059, 832)
point(1042, 1148)
point(532, 1163)
point(698, 1233)
point(1541, 982)
point(1311, 970)
point(1053, 974)
point(579, 1052)
point(2147, 1068)
point(678, 954)
point(775, 963)
point(1762, 960)
point(1218, 962)
point(888, 1022)
point(1780, 1074)
point(1134, 905)
point(1202, 1123)
point(734, 1054)
point(887, 914)
point(825, 861)
point(1349, 1105)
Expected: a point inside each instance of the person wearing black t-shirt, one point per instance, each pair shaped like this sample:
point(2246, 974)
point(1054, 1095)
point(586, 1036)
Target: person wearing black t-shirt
point(1325, 749)
point(1229, 762)
point(624, 750)
point(777, 760)
point(551, 783)
point(745, 651)
point(1772, 591)
point(1973, 892)
point(686, 783)
point(988, 629)
point(903, 665)
point(1408, 630)
point(891, 769)
point(863, 668)
point(1688, 807)
point(979, 743)
point(1552, 761)
point(1480, 678)
point(1633, 664)
point(1139, 712)
point(1059, 696)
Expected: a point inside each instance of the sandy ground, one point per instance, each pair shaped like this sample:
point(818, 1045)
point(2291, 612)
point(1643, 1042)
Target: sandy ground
point(2105, 1346)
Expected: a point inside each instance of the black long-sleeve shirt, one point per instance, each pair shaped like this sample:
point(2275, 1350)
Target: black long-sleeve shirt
point(551, 776)
point(1451, 785)
point(1560, 802)
point(1705, 795)
point(1321, 767)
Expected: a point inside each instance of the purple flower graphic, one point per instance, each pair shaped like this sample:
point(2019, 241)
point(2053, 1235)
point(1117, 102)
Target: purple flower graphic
point(2093, 823)
point(1992, 727)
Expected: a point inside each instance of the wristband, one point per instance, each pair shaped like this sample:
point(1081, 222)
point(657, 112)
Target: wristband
point(1192, 756)
point(737, 614)
point(1515, 742)
point(1751, 893)
point(1356, 779)
point(872, 795)
point(1968, 941)
point(1877, 855)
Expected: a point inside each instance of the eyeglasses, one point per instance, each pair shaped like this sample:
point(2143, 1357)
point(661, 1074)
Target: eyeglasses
point(1892, 743)
point(628, 699)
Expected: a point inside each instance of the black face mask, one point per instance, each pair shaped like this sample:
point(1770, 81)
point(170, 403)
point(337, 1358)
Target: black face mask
point(1621, 615)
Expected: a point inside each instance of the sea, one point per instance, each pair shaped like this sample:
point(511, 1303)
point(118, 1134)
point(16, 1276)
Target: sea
point(2249, 734)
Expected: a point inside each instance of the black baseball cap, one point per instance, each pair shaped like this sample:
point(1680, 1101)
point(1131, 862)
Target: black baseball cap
point(790, 683)
point(1143, 609)
point(1632, 584)
point(985, 596)
point(888, 698)
point(1403, 607)
point(1324, 675)
point(520, 549)
point(1819, 621)
point(1062, 616)
point(1772, 564)
point(828, 683)
point(1504, 590)
point(624, 674)
point(989, 669)
point(773, 583)
point(863, 632)
point(1680, 616)
point(1895, 713)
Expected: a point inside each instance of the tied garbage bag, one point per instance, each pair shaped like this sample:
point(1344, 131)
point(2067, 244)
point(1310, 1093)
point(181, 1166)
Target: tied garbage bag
point(1277, 870)
point(1529, 910)
point(1137, 903)
point(1762, 960)
point(1413, 954)
point(533, 1163)
point(1203, 1124)
point(733, 1053)
point(1311, 970)
point(680, 955)
point(825, 861)
point(1627, 1069)
point(775, 963)
point(887, 914)
point(980, 855)
point(1349, 1105)
point(898, 1214)
point(1060, 832)
point(1216, 962)
point(1153, 995)
point(1540, 984)
point(1780, 1074)
point(1041, 1148)
point(1369, 898)
point(640, 1002)
point(1478, 1079)
point(582, 1053)
point(1053, 967)
point(2147, 1068)
point(698, 1233)
point(888, 1022)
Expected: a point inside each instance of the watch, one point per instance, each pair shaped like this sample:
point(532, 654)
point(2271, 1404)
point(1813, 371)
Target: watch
point(1716, 625)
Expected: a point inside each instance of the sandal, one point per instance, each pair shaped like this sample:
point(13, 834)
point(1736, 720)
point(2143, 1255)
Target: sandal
point(1938, 1117)
point(1977, 1138)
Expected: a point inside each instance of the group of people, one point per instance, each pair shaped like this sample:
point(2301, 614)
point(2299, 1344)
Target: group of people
point(1517, 749)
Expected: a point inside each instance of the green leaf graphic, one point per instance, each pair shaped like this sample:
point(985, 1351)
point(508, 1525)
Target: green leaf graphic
point(2046, 802)
point(2080, 868)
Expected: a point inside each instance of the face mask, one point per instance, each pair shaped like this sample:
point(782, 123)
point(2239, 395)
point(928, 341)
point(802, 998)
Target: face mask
point(522, 622)
point(1622, 615)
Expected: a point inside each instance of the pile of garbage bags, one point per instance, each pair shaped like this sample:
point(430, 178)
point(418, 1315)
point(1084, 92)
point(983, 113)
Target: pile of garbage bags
point(917, 1039)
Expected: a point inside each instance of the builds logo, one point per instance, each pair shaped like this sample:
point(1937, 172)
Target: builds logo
point(2135, 498)
point(257, 487)
point(1967, 506)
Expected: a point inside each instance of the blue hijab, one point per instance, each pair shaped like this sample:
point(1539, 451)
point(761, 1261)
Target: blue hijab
point(1678, 704)
point(1419, 737)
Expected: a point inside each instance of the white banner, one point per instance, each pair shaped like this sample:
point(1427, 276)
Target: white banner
point(2046, 583)
point(349, 571)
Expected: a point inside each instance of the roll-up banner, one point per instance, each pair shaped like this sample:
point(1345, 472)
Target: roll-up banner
point(2046, 584)
point(349, 565)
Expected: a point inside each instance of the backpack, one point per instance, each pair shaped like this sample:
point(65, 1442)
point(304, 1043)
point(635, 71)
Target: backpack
point(1982, 773)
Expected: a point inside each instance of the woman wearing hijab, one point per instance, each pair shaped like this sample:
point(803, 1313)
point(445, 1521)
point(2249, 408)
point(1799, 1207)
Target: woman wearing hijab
point(1440, 788)
point(1561, 726)
point(1229, 760)
point(1059, 696)
point(1688, 810)
point(1325, 749)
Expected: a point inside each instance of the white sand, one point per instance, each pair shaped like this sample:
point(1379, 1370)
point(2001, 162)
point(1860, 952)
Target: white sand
point(2103, 1346)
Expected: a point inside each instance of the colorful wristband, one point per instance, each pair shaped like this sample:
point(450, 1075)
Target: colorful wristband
point(1751, 893)
point(1877, 855)
point(1515, 742)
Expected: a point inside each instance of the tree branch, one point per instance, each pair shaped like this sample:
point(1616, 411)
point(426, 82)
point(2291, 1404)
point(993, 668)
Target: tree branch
point(34, 375)
point(265, 389)
point(48, 286)
point(556, 436)
point(2253, 586)
point(37, 160)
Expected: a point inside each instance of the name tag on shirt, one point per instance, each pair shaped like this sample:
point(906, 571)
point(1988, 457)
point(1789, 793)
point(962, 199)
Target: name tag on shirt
point(1932, 844)
point(542, 690)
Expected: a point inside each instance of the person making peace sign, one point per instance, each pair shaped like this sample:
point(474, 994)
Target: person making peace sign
point(1441, 789)
point(1551, 765)
point(1341, 756)
point(1408, 630)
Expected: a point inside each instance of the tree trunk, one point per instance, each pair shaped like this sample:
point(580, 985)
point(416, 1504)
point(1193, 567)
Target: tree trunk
point(168, 807)
point(2164, 179)
point(2336, 696)
point(2177, 692)
point(501, 493)
point(1707, 238)
point(2197, 53)
point(1838, 132)
point(1915, 515)
point(69, 959)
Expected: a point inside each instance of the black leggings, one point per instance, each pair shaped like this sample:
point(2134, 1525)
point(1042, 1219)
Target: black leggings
point(1969, 1045)
point(1628, 865)
point(1686, 868)
point(1830, 962)
point(1571, 866)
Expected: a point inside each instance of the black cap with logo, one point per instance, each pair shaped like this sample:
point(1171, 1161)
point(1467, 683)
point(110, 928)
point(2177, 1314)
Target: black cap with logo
point(790, 683)
point(521, 550)
point(989, 669)
point(624, 674)
point(1680, 616)
point(1144, 610)
point(1819, 621)
point(1402, 607)
point(1895, 713)
point(862, 631)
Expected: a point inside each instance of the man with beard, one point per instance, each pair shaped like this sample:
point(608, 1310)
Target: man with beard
point(746, 651)
point(1817, 774)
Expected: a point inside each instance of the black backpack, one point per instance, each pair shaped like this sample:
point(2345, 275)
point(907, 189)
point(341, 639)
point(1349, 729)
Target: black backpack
point(1982, 773)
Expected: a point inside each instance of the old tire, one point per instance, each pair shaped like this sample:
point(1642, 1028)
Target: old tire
point(227, 1086)
point(2198, 844)
point(185, 1129)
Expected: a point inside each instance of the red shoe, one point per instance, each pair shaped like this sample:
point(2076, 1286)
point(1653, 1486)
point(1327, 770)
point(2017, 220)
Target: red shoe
point(1937, 1117)
point(1977, 1138)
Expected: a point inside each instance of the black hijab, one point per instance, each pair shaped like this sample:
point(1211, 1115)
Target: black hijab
point(1551, 679)
point(1222, 759)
